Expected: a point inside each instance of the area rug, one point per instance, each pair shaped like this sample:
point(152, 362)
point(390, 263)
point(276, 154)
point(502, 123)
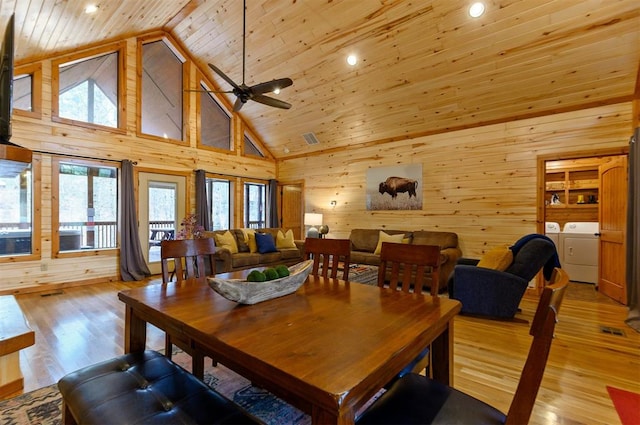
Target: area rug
point(44, 406)
point(363, 273)
point(627, 405)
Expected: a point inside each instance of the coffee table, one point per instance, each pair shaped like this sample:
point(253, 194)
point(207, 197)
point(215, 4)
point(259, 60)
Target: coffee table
point(326, 349)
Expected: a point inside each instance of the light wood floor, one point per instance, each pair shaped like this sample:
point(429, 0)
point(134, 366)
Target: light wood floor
point(79, 326)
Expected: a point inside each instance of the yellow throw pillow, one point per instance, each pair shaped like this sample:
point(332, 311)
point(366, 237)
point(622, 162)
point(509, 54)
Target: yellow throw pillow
point(226, 240)
point(285, 240)
point(250, 239)
point(498, 258)
point(384, 237)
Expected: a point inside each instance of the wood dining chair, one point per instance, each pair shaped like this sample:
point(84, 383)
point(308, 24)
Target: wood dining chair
point(329, 256)
point(416, 399)
point(404, 266)
point(193, 260)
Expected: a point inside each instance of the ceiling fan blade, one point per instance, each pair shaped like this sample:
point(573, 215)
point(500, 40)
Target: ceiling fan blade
point(270, 86)
point(224, 76)
point(238, 105)
point(271, 101)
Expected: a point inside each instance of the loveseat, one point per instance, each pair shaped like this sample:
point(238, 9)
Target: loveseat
point(239, 249)
point(364, 246)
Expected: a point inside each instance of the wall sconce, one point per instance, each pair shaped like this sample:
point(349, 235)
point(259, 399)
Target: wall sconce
point(313, 220)
point(334, 203)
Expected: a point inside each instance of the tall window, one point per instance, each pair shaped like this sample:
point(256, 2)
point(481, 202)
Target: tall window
point(219, 192)
point(87, 206)
point(15, 210)
point(88, 90)
point(215, 124)
point(255, 209)
point(161, 91)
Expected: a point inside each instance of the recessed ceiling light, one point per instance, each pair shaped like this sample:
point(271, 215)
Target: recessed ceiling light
point(92, 8)
point(476, 10)
point(352, 60)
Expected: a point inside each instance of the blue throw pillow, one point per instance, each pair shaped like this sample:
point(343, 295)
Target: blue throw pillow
point(265, 243)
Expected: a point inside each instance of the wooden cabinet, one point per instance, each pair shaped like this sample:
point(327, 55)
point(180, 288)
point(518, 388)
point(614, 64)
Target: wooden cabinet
point(571, 190)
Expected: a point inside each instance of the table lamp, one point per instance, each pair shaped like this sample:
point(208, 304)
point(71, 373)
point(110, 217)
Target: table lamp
point(313, 220)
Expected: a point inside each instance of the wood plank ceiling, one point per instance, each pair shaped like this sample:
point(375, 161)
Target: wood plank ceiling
point(424, 66)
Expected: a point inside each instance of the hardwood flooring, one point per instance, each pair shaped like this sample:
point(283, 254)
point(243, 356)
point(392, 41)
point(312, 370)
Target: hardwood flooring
point(79, 326)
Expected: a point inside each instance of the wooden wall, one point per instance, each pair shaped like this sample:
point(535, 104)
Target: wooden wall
point(479, 183)
point(152, 155)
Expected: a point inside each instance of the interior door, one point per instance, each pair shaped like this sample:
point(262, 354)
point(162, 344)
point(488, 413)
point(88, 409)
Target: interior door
point(613, 220)
point(290, 206)
point(161, 208)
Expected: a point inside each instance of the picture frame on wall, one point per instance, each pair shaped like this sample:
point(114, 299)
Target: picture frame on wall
point(397, 187)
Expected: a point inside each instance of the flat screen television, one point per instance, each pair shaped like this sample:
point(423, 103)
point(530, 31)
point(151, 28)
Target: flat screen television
point(6, 82)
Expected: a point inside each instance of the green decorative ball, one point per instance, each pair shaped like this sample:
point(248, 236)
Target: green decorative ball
point(256, 276)
point(282, 270)
point(271, 274)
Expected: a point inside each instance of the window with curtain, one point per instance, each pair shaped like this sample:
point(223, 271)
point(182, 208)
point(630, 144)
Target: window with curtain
point(162, 91)
point(87, 205)
point(220, 194)
point(255, 208)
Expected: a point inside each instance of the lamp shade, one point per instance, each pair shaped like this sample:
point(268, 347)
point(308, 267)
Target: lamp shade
point(312, 219)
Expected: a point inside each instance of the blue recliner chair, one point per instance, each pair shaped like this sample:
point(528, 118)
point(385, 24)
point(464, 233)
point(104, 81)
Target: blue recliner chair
point(494, 293)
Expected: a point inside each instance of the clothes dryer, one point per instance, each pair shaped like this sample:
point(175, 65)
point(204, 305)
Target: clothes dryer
point(552, 231)
point(579, 242)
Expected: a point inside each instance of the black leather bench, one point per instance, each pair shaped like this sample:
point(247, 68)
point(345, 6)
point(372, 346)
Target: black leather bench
point(144, 388)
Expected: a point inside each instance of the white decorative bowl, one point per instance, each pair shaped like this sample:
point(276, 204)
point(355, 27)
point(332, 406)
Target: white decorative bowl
point(244, 292)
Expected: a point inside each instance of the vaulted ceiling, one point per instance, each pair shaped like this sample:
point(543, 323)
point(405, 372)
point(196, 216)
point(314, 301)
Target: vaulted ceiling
point(424, 66)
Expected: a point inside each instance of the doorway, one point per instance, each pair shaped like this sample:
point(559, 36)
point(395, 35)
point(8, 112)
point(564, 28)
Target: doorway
point(290, 208)
point(571, 195)
point(161, 207)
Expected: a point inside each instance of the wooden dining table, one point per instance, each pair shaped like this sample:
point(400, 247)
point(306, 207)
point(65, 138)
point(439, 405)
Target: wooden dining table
point(326, 349)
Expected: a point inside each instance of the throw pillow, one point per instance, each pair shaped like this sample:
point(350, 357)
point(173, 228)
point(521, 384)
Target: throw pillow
point(241, 240)
point(285, 240)
point(265, 243)
point(250, 239)
point(498, 258)
point(226, 240)
point(383, 237)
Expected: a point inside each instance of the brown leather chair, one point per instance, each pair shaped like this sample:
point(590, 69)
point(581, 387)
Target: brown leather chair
point(190, 257)
point(408, 265)
point(331, 254)
point(416, 399)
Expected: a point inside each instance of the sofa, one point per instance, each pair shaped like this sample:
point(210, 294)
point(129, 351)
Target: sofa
point(237, 249)
point(365, 241)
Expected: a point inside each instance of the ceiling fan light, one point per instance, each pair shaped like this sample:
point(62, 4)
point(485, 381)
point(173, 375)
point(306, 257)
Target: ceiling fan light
point(476, 9)
point(276, 91)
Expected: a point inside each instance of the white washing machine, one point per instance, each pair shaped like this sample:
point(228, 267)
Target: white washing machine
point(579, 242)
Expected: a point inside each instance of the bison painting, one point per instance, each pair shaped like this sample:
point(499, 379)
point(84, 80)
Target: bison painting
point(395, 185)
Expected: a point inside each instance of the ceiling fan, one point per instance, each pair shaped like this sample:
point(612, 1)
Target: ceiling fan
point(256, 92)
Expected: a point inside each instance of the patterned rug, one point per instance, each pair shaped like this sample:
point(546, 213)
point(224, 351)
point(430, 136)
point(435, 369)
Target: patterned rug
point(363, 273)
point(44, 406)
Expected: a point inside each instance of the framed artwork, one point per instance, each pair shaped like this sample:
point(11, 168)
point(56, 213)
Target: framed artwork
point(397, 187)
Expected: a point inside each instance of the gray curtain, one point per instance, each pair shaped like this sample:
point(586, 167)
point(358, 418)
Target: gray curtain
point(633, 229)
point(132, 264)
point(273, 204)
point(203, 212)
